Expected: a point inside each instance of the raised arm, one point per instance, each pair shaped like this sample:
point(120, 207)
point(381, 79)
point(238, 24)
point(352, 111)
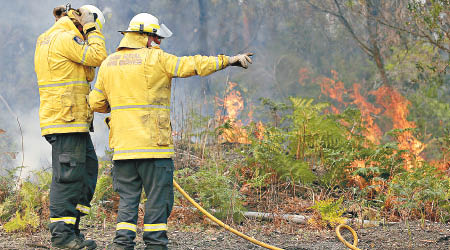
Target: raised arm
point(89, 53)
point(187, 66)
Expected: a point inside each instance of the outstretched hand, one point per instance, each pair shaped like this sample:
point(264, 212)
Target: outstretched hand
point(241, 60)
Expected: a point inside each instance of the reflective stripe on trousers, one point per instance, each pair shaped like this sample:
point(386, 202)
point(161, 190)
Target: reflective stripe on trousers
point(67, 220)
point(155, 227)
point(83, 209)
point(126, 226)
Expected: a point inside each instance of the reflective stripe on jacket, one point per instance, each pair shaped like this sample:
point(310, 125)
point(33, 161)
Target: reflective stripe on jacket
point(64, 65)
point(134, 84)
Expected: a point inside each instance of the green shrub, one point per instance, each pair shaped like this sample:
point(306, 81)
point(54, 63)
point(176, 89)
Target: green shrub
point(102, 204)
point(299, 143)
point(423, 190)
point(22, 209)
point(104, 190)
point(8, 195)
point(214, 189)
point(7, 209)
point(27, 215)
point(23, 222)
point(269, 156)
point(44, 180)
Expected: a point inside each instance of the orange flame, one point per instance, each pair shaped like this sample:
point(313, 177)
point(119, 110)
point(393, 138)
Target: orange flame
point(396, 108)
point(233, 103)
point(260, 129)
point(373, 132)
point(336, 90)
point(333, 89)
point(389, 103)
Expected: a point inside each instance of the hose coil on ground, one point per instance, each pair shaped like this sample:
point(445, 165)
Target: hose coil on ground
point(255, 241)
point(346, 243)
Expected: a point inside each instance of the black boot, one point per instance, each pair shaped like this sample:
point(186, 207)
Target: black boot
point(77, 243)
point(80, 235)
point(115, 246)
point(155, 247)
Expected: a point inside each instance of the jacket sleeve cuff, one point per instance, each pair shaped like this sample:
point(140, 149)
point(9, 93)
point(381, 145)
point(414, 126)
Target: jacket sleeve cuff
point(88, 27)
point(225, 61)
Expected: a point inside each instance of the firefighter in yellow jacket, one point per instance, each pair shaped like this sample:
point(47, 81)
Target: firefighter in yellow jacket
point(65, 57)
point(134, 85)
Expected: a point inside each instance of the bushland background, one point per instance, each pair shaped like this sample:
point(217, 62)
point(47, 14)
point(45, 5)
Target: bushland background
point(343, 114)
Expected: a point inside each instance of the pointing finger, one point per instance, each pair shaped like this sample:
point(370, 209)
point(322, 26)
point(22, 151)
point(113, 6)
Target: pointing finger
point(248, 59)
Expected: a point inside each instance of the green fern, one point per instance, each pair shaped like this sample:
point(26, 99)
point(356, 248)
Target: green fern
point(104, 190)
point(27, 213)
point(23, 223)
point(214, 189)
point(7, 209)
point(330, 211)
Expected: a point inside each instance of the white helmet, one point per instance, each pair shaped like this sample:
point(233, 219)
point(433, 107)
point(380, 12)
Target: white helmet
point(146, 23)
point(98, 15)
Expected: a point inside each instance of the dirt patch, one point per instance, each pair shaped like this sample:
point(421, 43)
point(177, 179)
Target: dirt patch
point(397, 236)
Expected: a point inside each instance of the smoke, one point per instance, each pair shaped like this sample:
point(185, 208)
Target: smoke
point(37, 151)
point(283, 35)
point(25, 20)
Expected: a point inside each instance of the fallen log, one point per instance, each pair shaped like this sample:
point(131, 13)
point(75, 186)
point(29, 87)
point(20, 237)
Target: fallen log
point(301, 219)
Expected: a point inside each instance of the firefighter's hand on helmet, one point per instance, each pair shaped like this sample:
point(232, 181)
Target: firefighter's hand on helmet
point(59, 11)
point(84, 16)
point(241, 60)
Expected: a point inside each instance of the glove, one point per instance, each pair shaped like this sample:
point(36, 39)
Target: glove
point(59, 11)
point(84, 16)
point(241, 60)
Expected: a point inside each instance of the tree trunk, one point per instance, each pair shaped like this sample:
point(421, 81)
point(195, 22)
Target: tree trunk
point(372, 28)
point(203, 42)
point(203, 27)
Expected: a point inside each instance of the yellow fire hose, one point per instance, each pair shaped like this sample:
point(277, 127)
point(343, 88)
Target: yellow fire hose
point(255, 241)
point(346, 243)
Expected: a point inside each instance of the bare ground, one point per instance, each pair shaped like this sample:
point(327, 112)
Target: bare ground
point(419, 236)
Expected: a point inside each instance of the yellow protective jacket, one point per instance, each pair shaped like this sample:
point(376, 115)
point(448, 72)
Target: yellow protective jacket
point(134, 85)
point(64, 65)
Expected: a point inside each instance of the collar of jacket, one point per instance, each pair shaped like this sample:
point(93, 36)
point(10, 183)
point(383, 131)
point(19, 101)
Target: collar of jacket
point(66, 24)
point(133, 40)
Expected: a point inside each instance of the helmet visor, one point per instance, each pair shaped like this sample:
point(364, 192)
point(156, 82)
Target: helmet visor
point(164, 31)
